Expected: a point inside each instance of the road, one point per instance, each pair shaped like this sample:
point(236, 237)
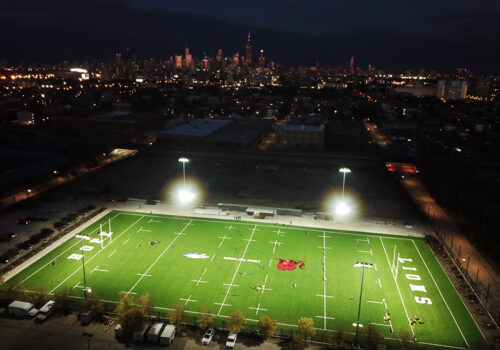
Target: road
point(447, 228)
point(59, 179)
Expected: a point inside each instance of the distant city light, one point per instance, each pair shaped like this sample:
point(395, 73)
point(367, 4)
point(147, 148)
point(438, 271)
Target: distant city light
point(79, 70)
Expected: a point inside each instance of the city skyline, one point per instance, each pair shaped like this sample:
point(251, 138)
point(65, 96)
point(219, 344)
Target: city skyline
point(434, 39)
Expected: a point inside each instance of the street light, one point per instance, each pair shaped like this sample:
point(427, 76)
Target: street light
point(344, 171)
point(185, 195)
point(88, 335)
point(184, 160)
point(83, 267)
point(363, 265)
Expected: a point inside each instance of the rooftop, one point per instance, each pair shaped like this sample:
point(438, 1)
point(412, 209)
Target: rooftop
point(197, 127)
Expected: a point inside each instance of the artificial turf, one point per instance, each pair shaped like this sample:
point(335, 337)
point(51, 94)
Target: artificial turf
point(228, 265)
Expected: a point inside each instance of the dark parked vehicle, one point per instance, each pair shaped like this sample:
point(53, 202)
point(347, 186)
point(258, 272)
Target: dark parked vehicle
point(85, 317)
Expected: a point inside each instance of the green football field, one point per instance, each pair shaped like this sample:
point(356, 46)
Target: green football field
point(285, 272)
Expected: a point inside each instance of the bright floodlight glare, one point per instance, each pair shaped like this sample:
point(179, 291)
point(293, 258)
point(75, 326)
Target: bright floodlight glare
point(185, 196)
point(342, 209)
point(344, 170)
point(183, 160)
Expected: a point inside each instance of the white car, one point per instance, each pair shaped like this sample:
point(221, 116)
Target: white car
point(208, 336)
point(231, 340)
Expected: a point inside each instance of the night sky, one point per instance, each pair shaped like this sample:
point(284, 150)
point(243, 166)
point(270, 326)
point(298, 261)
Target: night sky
point(391, 35)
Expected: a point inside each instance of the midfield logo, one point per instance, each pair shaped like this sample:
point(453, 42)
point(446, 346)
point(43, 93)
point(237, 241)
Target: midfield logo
point(289, 265)
point(196, 255)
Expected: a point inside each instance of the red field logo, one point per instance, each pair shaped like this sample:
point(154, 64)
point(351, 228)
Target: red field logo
point(289, 265)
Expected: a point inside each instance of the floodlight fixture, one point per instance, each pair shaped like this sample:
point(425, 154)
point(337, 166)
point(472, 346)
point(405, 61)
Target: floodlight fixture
point(185, 196)
point(184, 160)
point(342, 209)
point(344, 171)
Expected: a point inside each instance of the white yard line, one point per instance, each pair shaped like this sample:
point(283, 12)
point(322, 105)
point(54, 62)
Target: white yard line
point(276, 243)
point(257, 309)
point(200, 280)
point(324, 280)
point(397, 286)
point(188, 300)
point(236, 272)
point(114, 251)
point(223, 239)
point(375, 302)
point(158, 258)
point(128, 228)
point(439, 290)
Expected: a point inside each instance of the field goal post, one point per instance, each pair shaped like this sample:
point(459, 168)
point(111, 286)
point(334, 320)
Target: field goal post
point(104, 234)
point(395, 263)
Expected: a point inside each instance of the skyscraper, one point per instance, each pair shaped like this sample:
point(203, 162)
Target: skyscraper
point(351, 66)
point(205, 61)
point(262, 60)
point(189, 57)
point(249, 50)
point(178, 61)
point(236, 59)
point(219, 55)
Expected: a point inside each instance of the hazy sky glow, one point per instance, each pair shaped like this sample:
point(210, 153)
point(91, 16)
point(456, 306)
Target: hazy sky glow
point(442, 34)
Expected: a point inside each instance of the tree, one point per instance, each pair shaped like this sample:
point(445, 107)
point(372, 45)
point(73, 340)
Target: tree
point(132, 320)
point(206, 319)
point(92, 303)
point(131, 316)
point(177, 315)
point(146, 302)
point(126, 302)
point(17, 293)
point(340, 340)
point(40, 295)
point(306, 328)
point(236, 321)
point(370, 336)
point(297, 342)
point(267, 326)
point(405, 342)
point(64, 299)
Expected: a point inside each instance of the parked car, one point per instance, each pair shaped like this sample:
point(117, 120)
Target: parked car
point(231, 340)
point(207, 337)
point(45, 311)
point(85, 317)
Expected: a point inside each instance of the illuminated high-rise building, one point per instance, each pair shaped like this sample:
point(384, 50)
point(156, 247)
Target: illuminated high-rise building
point(351, 66)
point(219, 55)
point(248, 58)
point(189, 57)
point(236, 59)
point(205, 61)
point(178, 61)
point(262, 60)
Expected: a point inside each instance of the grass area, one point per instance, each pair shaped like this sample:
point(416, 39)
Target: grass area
point(228, 265)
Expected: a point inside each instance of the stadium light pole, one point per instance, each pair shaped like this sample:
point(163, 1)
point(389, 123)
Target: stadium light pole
point(363, 265)
point(184, 160)
point(344, 171)
point(83, 266)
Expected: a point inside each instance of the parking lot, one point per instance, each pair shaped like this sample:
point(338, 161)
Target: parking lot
point(65, 332)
